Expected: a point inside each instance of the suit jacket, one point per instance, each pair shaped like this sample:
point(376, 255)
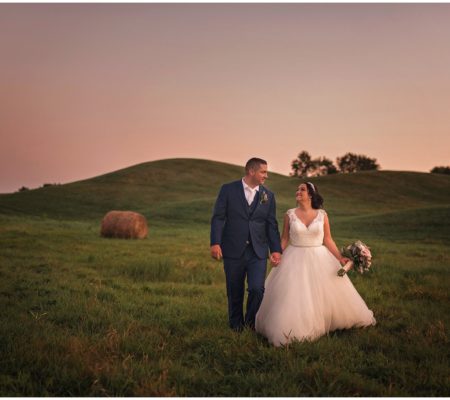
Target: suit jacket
point(234, 225)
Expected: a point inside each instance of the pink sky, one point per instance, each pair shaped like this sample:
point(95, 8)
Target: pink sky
point(86, 89)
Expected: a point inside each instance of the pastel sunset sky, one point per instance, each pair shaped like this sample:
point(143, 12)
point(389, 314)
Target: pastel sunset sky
point(87, 89)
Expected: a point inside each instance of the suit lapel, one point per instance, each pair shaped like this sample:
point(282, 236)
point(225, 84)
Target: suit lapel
point(258, 193)
point(240, 189)
point(256, 201)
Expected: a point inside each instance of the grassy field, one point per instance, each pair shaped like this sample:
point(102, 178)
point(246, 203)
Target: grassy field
point(86, 316)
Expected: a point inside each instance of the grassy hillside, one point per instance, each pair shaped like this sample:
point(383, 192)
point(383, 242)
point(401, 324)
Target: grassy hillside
point(144, 188)
point(86, 316)
point(184, 190)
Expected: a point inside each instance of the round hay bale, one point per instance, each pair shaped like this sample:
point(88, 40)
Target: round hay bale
point(124, 225)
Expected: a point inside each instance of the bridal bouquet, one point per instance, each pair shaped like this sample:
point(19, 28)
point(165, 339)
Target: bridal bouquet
point(360, 258)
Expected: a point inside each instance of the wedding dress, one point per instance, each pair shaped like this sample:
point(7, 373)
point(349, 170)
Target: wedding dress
point(304, 298)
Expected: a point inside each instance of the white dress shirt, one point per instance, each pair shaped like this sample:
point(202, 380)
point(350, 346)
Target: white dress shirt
point(249, 192)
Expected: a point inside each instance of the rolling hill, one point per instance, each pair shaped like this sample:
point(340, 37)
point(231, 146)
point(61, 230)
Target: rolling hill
point(183, 191)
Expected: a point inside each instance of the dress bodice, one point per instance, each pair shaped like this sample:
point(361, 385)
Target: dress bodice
point(306, 236)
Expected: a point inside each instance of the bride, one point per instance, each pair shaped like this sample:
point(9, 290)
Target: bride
point(304, 297)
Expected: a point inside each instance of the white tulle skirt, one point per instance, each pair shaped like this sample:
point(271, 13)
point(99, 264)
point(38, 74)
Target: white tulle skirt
point(304, 298)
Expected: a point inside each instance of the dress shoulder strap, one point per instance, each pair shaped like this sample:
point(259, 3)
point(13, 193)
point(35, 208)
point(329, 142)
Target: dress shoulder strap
point(291, 214)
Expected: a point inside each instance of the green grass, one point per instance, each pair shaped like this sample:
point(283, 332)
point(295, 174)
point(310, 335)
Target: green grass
point(86, 316)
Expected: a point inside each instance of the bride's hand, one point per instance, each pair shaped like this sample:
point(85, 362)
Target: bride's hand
point(275, 259)
point(344, 260)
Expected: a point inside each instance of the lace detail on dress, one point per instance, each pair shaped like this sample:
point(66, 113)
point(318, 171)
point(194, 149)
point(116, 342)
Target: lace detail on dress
point(291, 214)
point(302, 235)
point(322, 214)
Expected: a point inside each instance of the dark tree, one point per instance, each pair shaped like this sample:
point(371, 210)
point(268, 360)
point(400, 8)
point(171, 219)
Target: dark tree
point(323, 166)
point(347, 163)
point(302, 165)
point(367, 164)
point(441, 170)
point(351, 162)
point(23, 189)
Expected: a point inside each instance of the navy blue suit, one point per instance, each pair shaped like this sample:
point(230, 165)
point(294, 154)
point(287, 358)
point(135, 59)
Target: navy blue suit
point(245, 234)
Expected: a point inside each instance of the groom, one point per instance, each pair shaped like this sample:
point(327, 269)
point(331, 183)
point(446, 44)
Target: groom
point(243, 229)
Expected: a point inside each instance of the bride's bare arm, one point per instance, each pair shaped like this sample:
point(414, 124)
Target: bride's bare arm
point(329, 242)
point(285, 234)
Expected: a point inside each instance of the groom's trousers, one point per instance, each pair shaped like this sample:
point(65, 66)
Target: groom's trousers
point(236, 270)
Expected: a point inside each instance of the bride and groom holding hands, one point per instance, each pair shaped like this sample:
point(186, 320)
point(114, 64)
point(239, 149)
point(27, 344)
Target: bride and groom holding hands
point(302, 298)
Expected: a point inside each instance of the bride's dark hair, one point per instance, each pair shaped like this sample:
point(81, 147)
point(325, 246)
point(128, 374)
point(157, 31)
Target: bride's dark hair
point(316, 198)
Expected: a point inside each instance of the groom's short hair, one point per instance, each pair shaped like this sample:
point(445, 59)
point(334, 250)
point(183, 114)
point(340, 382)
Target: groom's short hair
point(254, 163)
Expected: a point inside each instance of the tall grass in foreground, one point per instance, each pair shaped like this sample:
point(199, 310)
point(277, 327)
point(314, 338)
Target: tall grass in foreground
point(86, 316)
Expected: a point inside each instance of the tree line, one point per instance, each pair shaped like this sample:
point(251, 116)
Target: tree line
point(304, 165)
point(441, 170)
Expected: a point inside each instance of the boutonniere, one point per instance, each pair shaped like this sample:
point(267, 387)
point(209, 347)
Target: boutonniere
point(264, 197)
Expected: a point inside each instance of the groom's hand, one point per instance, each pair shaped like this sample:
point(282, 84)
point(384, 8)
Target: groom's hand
point(275, 259)
point(216, 251)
